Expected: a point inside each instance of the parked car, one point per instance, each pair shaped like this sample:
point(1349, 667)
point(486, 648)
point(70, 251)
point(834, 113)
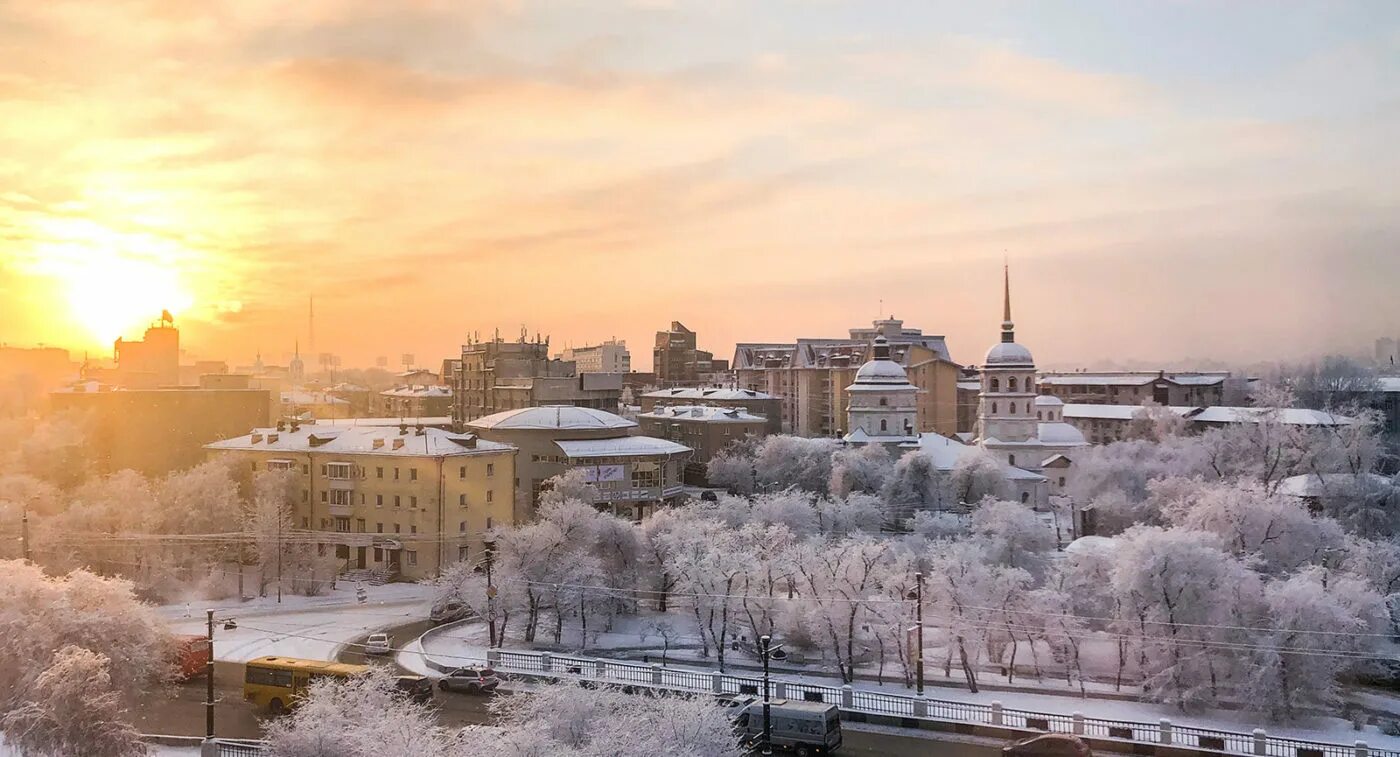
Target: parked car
point(471, 679)
point(379, 643)
point(448, 611)
point(417, 688)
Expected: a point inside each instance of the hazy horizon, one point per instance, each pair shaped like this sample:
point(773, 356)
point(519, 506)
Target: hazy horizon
point(1167, 180)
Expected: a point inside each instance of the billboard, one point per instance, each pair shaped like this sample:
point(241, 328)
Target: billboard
point(597, 474)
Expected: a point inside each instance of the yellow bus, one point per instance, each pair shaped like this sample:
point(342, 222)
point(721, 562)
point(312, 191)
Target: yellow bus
point(276, 683)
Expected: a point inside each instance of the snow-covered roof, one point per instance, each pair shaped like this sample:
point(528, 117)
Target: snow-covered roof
point(714, 393)
point(440, 421)
point(1092, 545)
point(310, 398)
point(552, 417)
point(361, 440)
point(623, 446)
point(1315, 485)
point(882, 372)
point(1009, 353)
point(418, 391)
point(1058, 433)
point(1048, 400)
point(946, 453)
point(705, 413)
point(1389, 383)
point(1132, 378)
point(1114, 412)
point(972, 385)
point(1292, 416)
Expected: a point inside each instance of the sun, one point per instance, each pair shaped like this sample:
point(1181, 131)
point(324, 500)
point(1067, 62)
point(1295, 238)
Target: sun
point(114, 283)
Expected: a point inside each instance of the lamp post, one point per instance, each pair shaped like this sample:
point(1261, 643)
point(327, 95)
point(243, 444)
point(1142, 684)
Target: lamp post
point(764, 647)
point(24, 532)
point(490, 546)
point(919, 615)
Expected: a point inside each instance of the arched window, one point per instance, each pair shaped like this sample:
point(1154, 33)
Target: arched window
point(884, 425)
point(1037, 416)
point(884, 401)
point(1013, 408)
point(1011, 383)
point(1010, 459)
point(1030, 384)
point(995, 384)
point(1025, 497)
point(994, 408)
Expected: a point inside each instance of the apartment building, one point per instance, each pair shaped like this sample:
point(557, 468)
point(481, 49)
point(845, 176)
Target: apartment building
point(811, 375)
point(706, 429)
point(677, 361)
point(609, 357)
point(405, 500)
point(497, 375)
point(761, 404)
point(1104, 424)
point(1141, 387)
point(414, 402)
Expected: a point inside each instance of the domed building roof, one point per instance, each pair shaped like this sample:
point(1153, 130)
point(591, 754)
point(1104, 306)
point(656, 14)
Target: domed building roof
point(1059, 434)
point(1048, 400)
point(881, 372)
point(552, 417)
point(1009, 353)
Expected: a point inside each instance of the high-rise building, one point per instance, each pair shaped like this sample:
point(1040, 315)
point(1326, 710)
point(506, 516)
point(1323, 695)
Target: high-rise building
point(609, 357)
point(812, 376)
point(496, 375)
point(152, 362)
point(677, 362)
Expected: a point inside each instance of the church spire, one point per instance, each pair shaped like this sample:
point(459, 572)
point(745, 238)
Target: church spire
point(1008, 329)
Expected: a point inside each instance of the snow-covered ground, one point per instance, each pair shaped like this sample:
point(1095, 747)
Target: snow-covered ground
point(465, 644)
point(310, 627)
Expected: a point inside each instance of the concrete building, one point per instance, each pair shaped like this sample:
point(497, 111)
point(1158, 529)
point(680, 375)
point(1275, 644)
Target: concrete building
point(633, 474)
point(151, 362)
point(767, 406)
point(305, 404)
point(811, 376)
point(706, 429)
point(677, 362)
point(1139, 387)
point(414, 402)
point(404, 500)
point(28, 374)
point(609, 357)
point(1104, 424)
point(361, 398)
point(496, 376)
point(156, 431)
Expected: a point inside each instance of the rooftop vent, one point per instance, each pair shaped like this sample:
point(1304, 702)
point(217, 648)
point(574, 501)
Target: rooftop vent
point(272, 438)
point(377, 444)
point(257, 438)
point(398, 444)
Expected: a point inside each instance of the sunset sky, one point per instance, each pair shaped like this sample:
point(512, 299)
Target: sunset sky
point(1168, 180)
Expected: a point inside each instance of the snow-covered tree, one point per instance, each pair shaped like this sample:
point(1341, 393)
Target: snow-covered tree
point(864, 470)
point(841, 581)
point(977, 475)
point(1154, 422)
point(735, 467)
point(785, 461)
point(72, 708)
point(1012, 534)
point(360, 717)
point(916, 484)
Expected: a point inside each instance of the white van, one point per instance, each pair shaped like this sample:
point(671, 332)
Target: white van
point(802, 727)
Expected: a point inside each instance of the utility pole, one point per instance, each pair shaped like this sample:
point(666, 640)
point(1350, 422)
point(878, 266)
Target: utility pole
point(280, 515)
point(490, 592)
point(764, 642)
point(209, 680)
point(24, 532)
point(919, 653)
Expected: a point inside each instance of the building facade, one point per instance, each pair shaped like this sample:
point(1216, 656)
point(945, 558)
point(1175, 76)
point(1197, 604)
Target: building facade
point(633, 474)
point(407, 501)
point(706, 429)
point(415, 402)
point(1138, 387)
point(152, 362)
point(609, 357)
point(811, 376)
point(1105, 424)
point(497, 375)
point(676, 361)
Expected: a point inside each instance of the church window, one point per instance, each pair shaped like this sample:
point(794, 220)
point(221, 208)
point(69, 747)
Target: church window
point(1011, 383)
point(1010, 459)
point(994, 408)
point(1025, 497)
point(884, 401)
point(1013, 408)
point(884, 425)
point(996, 384)
point(1037, 416)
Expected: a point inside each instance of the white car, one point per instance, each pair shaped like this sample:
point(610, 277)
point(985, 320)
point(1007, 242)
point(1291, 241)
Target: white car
point(379, 643)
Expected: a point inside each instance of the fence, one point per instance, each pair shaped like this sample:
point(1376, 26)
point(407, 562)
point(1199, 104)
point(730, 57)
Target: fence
point(905, 707)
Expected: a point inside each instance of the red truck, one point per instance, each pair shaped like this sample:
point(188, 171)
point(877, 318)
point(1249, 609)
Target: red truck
point(191, 655)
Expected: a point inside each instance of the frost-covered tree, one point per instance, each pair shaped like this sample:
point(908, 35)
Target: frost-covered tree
point(735, 467)
point(1153, 422)
point(1012, 534)
point(360, 717)
point(72, 708)
point(978, 475)
point(916, 484)
point(864, 470)
point(843, 516)
point(785, 461)
point(841, 581)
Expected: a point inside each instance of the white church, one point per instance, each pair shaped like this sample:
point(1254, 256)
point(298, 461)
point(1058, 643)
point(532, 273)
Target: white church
point(1020, 427)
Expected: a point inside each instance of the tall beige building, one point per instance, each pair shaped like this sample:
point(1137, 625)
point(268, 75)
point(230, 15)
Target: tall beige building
point(494, 376)
point(609, 357)
point(812, 376)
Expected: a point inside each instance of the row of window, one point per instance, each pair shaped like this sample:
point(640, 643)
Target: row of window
point(346, 471)
point(344, 498)
point(994, 384)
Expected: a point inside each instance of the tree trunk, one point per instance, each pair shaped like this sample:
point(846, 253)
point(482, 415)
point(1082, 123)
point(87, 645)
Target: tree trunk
point(966, 666)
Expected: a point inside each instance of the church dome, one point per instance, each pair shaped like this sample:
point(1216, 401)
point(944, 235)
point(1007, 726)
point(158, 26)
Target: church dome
point(881, 370)
point(1009, 353)
point(1048, 400)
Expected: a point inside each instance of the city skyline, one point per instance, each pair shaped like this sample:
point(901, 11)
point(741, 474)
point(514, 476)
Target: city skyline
point(598, 171)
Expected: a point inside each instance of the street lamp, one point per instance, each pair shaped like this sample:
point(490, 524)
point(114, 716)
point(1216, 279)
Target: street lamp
point(490, 547)
point(766, 650)
point(918, 596)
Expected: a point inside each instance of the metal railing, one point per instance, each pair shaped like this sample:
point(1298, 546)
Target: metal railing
point(906, 706)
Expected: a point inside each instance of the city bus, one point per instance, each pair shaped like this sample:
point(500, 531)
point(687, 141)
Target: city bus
point(276, 683)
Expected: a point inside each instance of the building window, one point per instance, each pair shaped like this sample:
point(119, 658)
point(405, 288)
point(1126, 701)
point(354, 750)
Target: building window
point(884, 425)
point(325, 523)
point(305, 522)
point(490, 495)
point(488, 524)
point(340, 497)
point(379, 528)
point(995, 384)
point(306, 469)
point(338, 471)
point(413, 501)
point(994, 408)
point(323, 496)
point(397, 528)
point(412, 474)
point(1011, 383)
point(379, 500)
point(462, 472)
point(255, 466)
point(884, 401)
point(1062, 481)
point(379, 472)
point(412, 557)
point(462, 553)
point(1013, 408)
point(378, 554)
point(396, 500)
point(359, 525)
point(342, 525)
point(1010, 459)
point(305, 495)
point(462, 527)
point(1037, 416)
point(462, 500)
point(490, 469)
point(1025, 497)
point(413, 529)
point(396, 474)
point(323, 469)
